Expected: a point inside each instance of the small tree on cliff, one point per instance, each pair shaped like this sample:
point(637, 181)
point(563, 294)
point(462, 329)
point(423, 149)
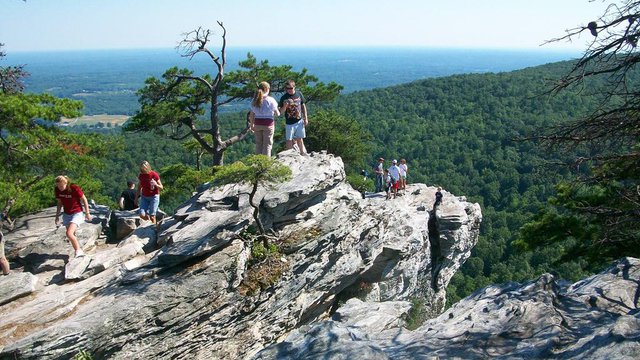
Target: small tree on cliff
point(175, 105)
point(257, 170)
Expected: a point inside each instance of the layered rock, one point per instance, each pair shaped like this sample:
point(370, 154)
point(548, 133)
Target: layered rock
point(596, 318)
point(183, 291)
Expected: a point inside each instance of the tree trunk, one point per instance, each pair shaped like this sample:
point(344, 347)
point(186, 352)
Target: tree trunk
point(218, 157)
point(256, 215)
point(5, 221)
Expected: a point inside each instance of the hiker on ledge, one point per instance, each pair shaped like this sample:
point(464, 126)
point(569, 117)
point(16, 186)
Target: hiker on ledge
point(148, 193)
point(71, 199)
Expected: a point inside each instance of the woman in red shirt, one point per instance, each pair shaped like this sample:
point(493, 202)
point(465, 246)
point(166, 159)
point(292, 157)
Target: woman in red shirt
point(71, 199)
point(148, 192)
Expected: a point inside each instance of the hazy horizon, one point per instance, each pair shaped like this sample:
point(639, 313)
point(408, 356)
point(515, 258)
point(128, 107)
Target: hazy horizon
point(119, 24)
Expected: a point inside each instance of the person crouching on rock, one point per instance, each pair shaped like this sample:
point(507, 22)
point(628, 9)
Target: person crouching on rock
point(71, 199)
point(148, 194)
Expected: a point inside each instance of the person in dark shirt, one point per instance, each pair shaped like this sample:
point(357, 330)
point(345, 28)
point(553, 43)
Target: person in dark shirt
point(128, 197)
point(293, 105)
point(438, 199)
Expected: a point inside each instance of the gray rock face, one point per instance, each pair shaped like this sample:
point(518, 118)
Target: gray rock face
point(185, 290)
point(596, 318)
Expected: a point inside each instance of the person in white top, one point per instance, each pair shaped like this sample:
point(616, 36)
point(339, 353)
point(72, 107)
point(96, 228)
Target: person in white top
point(394, 171)
point(404, 170)
point(264, 109)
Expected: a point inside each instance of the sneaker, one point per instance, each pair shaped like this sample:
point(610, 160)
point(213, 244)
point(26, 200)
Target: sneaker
point(79, 253)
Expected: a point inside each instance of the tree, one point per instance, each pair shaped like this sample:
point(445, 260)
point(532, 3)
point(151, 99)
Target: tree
point(340, 136)
point(32, 147)
point(257, 170)
point(176, 104)
point(605, 196)
point(11, 77)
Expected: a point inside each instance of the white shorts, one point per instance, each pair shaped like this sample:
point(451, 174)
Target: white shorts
point(295, 131)
point(77, 218)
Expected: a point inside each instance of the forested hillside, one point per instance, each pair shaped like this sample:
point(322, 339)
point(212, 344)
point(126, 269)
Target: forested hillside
point(462, 133)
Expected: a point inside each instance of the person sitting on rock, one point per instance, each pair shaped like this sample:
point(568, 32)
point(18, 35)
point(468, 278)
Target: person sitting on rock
point(127, 199)
point(71, 199)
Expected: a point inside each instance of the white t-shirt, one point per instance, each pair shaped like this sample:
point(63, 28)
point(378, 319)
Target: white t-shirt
point(394, 171)
point(269, 105)
point(403, 169)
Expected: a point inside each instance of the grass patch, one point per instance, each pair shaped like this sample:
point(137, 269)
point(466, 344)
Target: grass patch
point(417, 315)
point(291, 243)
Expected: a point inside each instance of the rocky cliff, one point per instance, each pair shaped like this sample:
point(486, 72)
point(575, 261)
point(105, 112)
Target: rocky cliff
point(190, 289)
point(596, 318)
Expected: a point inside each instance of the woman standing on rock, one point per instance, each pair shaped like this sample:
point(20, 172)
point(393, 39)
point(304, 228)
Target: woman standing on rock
point(148, 194)
point(264, 109)
point(71, 199)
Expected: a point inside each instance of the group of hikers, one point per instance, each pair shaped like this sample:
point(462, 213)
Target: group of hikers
point(264, 110)
point(392, 179)
point(71, 202)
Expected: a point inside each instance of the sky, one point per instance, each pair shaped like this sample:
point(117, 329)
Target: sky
point(51, 25)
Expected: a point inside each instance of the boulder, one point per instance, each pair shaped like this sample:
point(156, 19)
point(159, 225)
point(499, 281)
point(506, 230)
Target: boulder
point(16, 285)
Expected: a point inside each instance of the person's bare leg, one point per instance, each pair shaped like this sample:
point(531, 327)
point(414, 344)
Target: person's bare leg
point(71, 234)
point(301, 147)
point(4, 264)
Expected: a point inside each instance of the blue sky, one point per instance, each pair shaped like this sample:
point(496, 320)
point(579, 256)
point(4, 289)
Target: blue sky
point(44, 25)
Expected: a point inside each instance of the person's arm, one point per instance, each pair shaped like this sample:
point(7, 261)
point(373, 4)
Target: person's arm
point(87, 214)
point(304, 114)
point(121, 203)
point(276, 111)
point(159, 184)
point(282, 105)
point(252, 118)
point(58, 208)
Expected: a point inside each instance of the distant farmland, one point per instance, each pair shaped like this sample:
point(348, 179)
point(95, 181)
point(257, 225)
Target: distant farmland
point(95, 120)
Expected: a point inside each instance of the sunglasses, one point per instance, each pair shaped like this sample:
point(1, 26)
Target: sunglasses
point(289, 88)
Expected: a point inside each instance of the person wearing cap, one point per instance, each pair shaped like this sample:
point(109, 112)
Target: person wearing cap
point(128, 197)
point(379, 172)
point(394, 171)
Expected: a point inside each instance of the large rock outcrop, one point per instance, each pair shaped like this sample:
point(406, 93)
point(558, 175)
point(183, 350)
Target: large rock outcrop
point(189, 289)
point(596, 318)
